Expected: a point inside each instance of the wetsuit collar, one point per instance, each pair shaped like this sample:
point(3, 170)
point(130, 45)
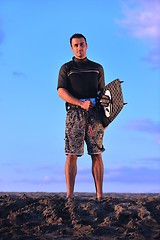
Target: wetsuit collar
point(80, 60)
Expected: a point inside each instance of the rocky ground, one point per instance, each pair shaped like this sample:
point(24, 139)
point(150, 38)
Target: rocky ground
point(42, 216)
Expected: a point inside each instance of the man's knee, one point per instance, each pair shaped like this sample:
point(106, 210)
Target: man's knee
point(97, 157)
point(71, 157)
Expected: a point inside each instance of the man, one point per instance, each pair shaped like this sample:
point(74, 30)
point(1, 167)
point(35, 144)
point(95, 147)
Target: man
point(78, 83)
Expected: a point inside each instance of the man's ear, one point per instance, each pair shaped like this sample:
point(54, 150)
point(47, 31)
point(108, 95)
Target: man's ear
point(71, 48)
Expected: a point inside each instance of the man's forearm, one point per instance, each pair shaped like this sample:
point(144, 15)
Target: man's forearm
point(66, 96)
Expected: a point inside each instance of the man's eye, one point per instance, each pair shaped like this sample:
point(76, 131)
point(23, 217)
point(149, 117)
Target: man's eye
point(81, 44)
point(76, 45)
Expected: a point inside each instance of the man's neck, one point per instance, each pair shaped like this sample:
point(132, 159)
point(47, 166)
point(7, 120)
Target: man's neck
point(79, 59)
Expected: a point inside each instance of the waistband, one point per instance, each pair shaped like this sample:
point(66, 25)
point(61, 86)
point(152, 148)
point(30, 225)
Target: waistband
point(93, 100)
point(73, 107)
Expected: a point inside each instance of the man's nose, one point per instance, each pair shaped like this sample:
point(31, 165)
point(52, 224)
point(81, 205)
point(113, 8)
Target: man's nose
point(79, 47)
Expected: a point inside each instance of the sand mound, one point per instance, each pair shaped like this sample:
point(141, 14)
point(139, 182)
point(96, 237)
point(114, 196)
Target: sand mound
point(39, 216)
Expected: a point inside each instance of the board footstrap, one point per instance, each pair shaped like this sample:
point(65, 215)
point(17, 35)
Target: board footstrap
point(116, 102)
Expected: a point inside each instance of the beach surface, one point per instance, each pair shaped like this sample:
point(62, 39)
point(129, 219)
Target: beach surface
point(47, 216)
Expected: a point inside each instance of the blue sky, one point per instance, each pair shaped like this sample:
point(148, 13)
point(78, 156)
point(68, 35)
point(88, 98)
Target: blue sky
point(124, 37)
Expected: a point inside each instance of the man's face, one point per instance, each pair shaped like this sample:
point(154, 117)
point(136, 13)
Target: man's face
point(79, 47)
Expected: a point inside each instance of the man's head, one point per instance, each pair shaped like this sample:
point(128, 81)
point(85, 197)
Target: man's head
point(77, 35)
point(79, 45)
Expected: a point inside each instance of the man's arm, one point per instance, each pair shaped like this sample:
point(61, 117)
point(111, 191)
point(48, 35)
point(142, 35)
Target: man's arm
point(66, 96)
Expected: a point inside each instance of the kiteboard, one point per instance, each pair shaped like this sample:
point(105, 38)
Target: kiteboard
point(110, 101)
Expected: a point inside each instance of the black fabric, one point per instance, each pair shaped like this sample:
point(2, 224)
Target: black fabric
point(82, 78)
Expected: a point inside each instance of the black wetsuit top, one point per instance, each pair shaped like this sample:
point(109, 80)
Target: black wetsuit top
point(82, 78)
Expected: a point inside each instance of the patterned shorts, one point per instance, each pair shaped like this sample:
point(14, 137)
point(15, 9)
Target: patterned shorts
point(83, 126)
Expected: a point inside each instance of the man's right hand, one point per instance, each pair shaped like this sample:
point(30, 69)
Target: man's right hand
point(86, 105)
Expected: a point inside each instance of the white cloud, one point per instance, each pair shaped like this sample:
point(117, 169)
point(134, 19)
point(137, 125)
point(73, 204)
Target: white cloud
point(144, 125)
point(133, 175)
point(142, 20)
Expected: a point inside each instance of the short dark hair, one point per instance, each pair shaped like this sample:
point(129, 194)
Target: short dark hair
point(77, 35)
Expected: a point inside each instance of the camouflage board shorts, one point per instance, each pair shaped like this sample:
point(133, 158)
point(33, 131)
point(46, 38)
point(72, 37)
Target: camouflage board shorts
point(83, 126)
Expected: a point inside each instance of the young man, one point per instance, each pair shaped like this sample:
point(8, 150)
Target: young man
point(78, 83)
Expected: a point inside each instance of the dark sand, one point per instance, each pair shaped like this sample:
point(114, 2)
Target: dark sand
point(39, 216)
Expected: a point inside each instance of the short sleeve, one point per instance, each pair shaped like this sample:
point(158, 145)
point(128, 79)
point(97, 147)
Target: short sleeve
point(62, 77)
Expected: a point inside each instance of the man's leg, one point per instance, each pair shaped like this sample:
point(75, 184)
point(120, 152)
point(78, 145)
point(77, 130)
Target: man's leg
point(70, 172)
point(97, 171)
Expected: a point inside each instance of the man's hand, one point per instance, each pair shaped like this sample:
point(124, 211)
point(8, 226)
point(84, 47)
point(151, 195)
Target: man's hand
point(105, 100)
point(86, 105)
